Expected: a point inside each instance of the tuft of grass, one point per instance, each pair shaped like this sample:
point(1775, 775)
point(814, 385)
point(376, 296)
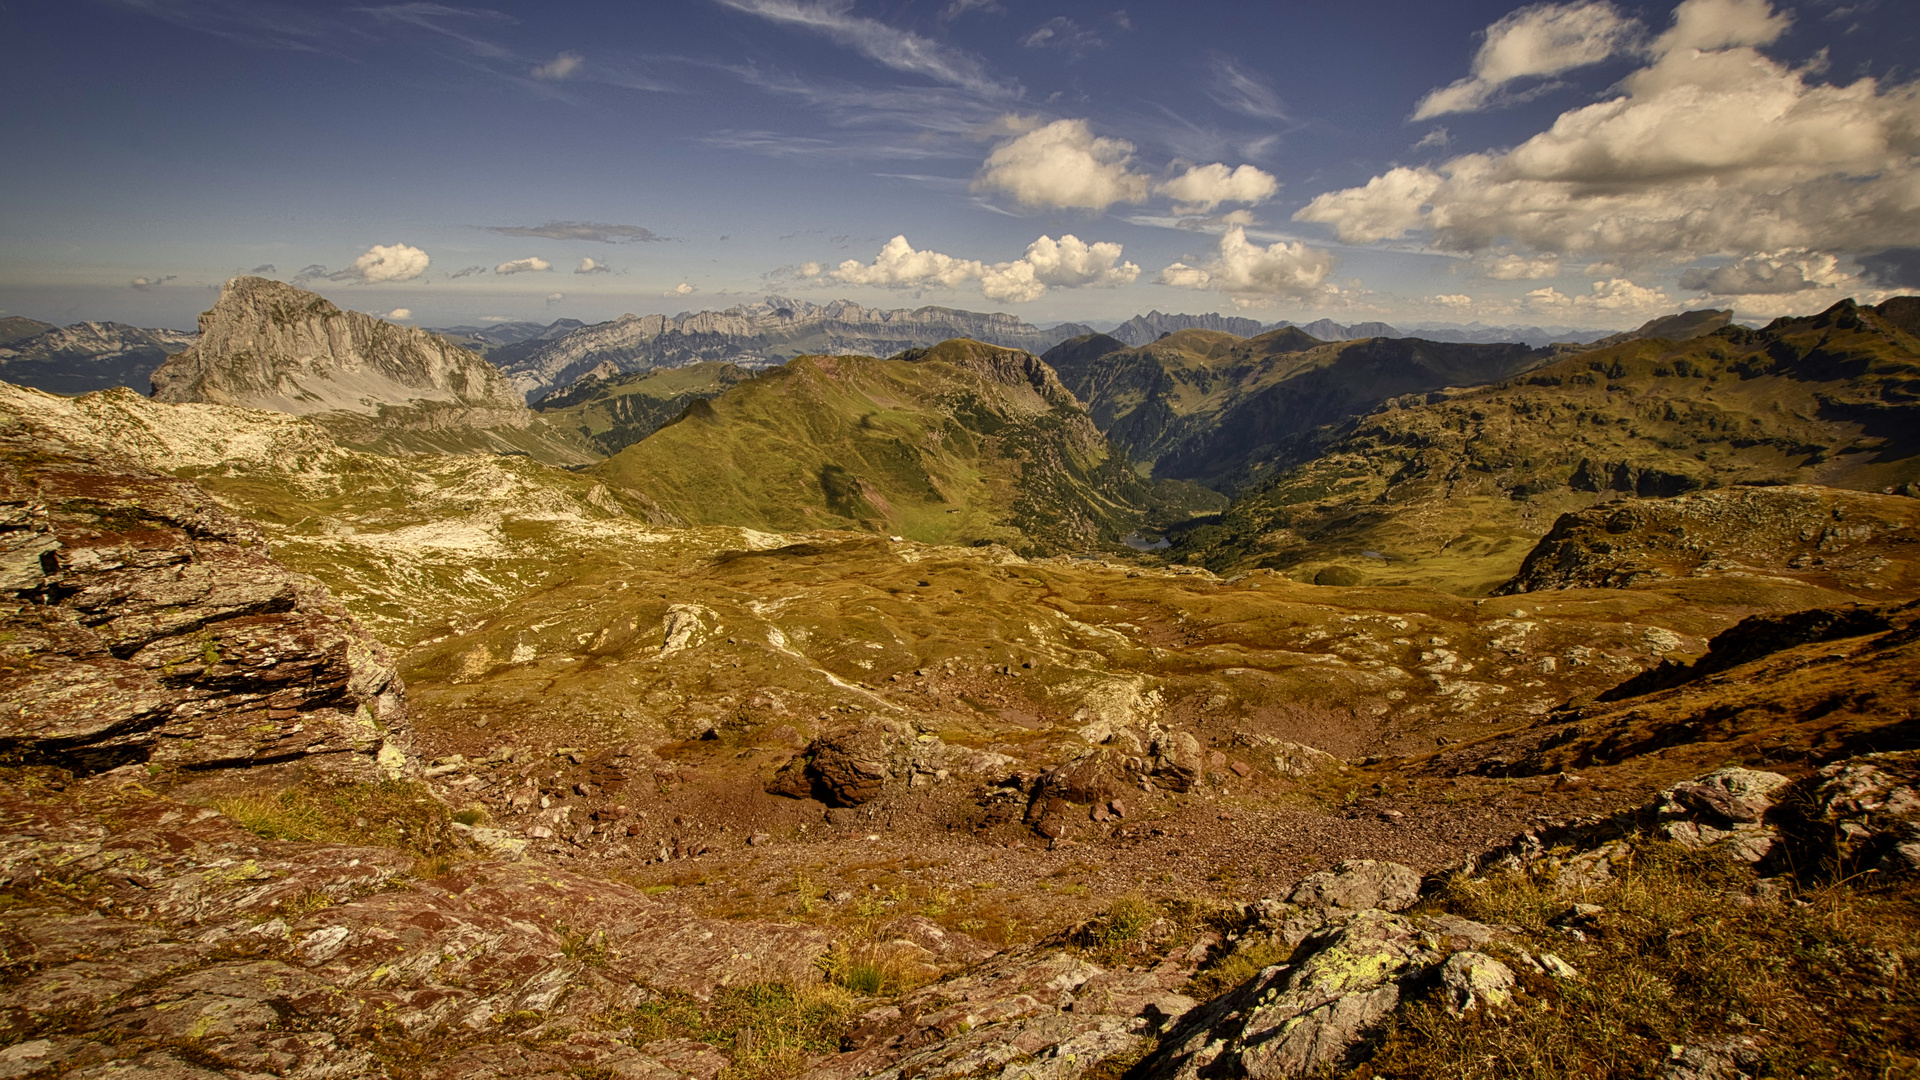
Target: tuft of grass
point(472, 815)
point(393, 813)
point(1682, 952)
point(771, 1030)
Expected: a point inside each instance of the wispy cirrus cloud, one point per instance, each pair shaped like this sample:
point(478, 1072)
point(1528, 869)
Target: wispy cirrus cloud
point(447, 21)
point(580, 230)
point(264, 25)
point(890, 46)
point(1235, 87)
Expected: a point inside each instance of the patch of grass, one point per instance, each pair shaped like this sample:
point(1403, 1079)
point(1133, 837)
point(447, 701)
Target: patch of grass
point(771, 1030)
point(1234, 968)
point(392, 813)
point(1682, 952)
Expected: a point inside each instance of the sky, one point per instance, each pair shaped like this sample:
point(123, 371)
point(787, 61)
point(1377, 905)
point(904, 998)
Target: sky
point(1584, 164)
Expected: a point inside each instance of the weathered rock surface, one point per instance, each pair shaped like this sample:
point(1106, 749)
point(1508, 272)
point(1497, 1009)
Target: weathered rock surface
point(1033, 1011)
point(144, 624)
point(269, 345)
point(1359, 884)
point(1872, 803)
point(147, 927)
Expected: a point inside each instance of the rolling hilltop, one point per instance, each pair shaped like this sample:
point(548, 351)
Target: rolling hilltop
point(959, 443)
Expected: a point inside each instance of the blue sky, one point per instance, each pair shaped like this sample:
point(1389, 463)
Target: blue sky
point(1584, 164)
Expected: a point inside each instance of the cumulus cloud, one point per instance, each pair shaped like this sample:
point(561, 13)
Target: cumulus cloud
point(383, 263)
point(580, 230)
point(682, 289)
point(1249, 274)
point(1068, 263)
point(588, 266)
point(560, 67)
point(529, 264)
point(1064, 165)
point(1614, 296)
point(901, 50)
point(398, 314)
point(145, 283)
point(1521, 267)
point(1539, 40)
point(1723, 151)
point(1202, 188)
point(467, 271)
point(554, 298)
point(1453, 301)
point(1771, 283)
point(1722, 24)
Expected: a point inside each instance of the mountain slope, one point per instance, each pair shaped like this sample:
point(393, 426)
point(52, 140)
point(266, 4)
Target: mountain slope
point(614, 412)
point(86, 356)
point(1455, 492)
point(758, 335)
point(959, 443)
point(1220, 410)
point(269, 345)
point(19, 328)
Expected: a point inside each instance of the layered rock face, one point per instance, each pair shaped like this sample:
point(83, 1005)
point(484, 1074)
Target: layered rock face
point(140, 623)
point(268, 345)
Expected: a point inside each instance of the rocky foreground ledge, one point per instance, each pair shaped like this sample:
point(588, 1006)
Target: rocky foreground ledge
point(146, 937)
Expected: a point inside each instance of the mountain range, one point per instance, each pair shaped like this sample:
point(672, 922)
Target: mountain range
point(1524, 710)
point(85, 356)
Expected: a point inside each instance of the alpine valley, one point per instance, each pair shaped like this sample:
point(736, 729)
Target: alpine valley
point(817, 691)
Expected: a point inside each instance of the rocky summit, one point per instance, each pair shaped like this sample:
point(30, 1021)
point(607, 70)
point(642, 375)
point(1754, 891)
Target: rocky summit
point(1216, 706)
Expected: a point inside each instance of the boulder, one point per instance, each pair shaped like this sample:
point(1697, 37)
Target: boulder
point(1473, 980)
point(1291, 1021)
point(1359, 884)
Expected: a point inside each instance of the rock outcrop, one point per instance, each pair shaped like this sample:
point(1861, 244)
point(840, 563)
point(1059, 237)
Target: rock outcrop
point(268, 345)
point(1853, 538)
point(142, 624)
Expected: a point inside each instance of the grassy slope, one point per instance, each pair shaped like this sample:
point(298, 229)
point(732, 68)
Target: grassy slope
point(1224, 411)
point(1455, 493)
point(958, 443)
point(613, 414)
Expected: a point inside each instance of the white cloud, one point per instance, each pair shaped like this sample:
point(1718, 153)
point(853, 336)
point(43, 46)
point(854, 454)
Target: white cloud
point(559, 67)
point(1064, 34)
point(385, 262)
point(1773, 283)
point(1068, 263)
point(1249, 274)
point(1718, 152)
point(522, 266)
point(901, 50)
point(1543, 39)
point(1521, 267)
point(1064, 165)
point(1722, 24)
point(1615, 296)
point(398, 314)
point(960, 7)
point(899, 266)
point(1437, 137)
point(1243, 91)
point(682, 289)
point(1202, 188)
point(589, 266)
point(554, 298)
point(142, 284)
point(1454, 301)
point(810, 270)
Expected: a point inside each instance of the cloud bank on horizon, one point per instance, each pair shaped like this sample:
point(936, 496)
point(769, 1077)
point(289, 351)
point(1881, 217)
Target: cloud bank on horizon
point(1599, 165)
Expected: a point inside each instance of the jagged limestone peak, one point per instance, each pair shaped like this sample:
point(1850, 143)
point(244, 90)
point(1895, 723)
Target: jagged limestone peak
point(266, 344)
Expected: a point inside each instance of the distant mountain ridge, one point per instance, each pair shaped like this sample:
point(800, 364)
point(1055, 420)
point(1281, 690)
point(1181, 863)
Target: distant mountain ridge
point(759, 335)
point(1154, 325)
point(86, 356)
